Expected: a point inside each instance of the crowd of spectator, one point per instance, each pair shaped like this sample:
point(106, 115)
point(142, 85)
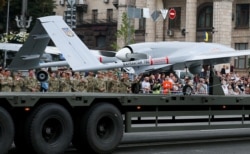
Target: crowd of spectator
point(169, 83)
point(231, 83)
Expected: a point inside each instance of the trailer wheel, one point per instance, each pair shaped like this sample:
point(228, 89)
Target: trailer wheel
point(102, 128)
point(6, 131)
point(50, 129)
point(187, 90)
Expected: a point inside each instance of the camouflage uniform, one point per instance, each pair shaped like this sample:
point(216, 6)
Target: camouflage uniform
point(75, 82)
point(31, 84)
point(91, 82)
point(109, 80)
point(18, 84)
point(104, 75)
point(65, 85)
point(78, 83)
point(53, 84)
point(6, 83)
point(82, 85)
point(115, 85)
point(125, 84)
point(100, 85)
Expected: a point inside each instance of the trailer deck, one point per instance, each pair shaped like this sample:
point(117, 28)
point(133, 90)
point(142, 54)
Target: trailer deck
point(49, 122)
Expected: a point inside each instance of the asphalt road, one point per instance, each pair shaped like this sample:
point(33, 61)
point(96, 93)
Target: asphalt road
point(232, 141)
point(187, 142)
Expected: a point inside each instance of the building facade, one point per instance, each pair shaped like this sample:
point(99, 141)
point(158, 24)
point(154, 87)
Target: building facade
point(221, 21)
point(95, 21)
point(224, 21)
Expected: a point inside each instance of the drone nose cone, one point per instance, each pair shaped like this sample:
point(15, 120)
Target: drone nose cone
point(122, 54)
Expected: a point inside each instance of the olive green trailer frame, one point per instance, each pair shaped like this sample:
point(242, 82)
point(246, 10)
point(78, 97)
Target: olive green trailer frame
point(97, 121)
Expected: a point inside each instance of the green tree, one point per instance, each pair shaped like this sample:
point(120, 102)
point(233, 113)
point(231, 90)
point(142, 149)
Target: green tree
point(35, 8)
point(2, 3)
point(40, 8)
point(126, 32)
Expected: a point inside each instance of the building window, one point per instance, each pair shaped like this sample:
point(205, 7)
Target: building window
point(94, 16)
point(241, 61)
point(109, 15)
point(79, 17)
point(205, 17)
point(142, 23)
point(100, 41)
point(176, 22)
point(242, 15)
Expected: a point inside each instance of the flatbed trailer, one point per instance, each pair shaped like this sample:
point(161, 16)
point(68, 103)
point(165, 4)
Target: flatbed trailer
point(95, 122)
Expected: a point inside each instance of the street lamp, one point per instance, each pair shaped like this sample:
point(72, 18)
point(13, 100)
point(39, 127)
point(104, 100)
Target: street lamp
point(8, 17)
point(72, 4)
point(22, 23)
point(7, 31)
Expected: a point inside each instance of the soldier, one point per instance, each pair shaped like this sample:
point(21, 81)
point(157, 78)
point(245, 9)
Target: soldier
point(31, 83)
point(53, 83)
point(75, 82)
point(18, 82)
point(108, 81)
point(1, 71)
point(6, 82)
point(79, 83)
point(115, 84)
point(1, 75)
point(118, 73)
point(125, 85)
point(100, 83)
point(91, 80)
point(65, 82)
point(105, 75)
point(82, 86)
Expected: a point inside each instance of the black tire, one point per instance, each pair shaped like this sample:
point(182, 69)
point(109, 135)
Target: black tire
point(42, 76)
point(187, 90)
point(6, 131)
point(101, 129)
point(50, 129)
